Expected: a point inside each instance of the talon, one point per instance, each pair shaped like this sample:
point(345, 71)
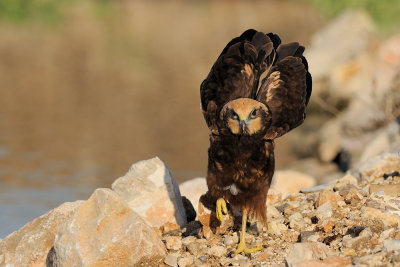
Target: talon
point(242, 244)
point(221, 209)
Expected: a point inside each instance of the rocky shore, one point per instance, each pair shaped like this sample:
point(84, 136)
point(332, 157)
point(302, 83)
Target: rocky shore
point(324, 214)
point(144, 221)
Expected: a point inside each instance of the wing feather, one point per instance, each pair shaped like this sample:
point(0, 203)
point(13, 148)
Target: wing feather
point(286, 90)
point(235, 74)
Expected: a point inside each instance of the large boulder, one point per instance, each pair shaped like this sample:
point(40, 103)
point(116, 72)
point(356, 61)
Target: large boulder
point(30, 245)
point(151, 192)
point(104, 231)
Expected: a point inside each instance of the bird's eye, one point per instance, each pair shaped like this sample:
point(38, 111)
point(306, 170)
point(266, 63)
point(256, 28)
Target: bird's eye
point(235, 116)
point(253, 113)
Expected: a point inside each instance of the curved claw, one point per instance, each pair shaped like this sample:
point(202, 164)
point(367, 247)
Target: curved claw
point(221, 209)
point(243, 248)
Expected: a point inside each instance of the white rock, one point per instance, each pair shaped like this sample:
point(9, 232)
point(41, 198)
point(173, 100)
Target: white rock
point(193, 189)
point(150, 191)
point(104, 231)
point(30, 245)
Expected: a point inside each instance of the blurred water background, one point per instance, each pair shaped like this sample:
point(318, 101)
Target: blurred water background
point(89, 87)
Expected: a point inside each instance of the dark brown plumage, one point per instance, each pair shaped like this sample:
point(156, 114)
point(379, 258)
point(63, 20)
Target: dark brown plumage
point(256, 91)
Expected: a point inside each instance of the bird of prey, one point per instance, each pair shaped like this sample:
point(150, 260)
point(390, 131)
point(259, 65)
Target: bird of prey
point(256, 91)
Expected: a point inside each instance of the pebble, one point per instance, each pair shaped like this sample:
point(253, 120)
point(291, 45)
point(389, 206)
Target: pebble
point(173, 243)
point(324, 211)
point(230, 240)
point(217, 251)
point(172, 259)
point(185, 261)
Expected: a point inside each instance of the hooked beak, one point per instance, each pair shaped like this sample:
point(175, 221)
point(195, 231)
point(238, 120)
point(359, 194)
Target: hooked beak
point(242, 125)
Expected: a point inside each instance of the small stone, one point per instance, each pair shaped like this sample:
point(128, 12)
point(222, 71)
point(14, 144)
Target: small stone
point(390, 189)
point(328, 226)
point(324, 211)
point(263, 256)
point(390, 245)
point(172, 259)
point(327, 196)
point(217, 251)
point(387, 219)
point(187, 240)
point(197, 248)
point(300, 252)
point(167, 227)
point(349, 252)
point(173, 243)
point(359, 242)
point(304, 235)
point(296, 221)
point(230, 240)
point(185, 261)
point(336, 261)
point(276, 228)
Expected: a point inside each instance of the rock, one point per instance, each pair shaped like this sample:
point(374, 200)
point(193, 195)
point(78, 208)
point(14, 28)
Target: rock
point(197, 248)
point(390, 189)
point(377, 167)
point(150, 191)
point(168, 227)
point(104, 231)
point(390, 245)
point(231, 240)
point(30, 245)
point(193, 189)
point(346, 180)
point(358, 242)
point(309, 236)
point(388, 220)
point(217, 251)
point(172, 259)
point(327, 196)
point(185, 261)
point(300, 252)
point(324, 211)
point(173, 243)
point(296, 221)
point(336, 261)
point(289, 181)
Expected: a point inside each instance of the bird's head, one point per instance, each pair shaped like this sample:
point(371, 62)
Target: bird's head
point(245, 116)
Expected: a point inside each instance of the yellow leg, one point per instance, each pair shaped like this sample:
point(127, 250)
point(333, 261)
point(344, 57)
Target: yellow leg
point(242, 244)
point(221, 209)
